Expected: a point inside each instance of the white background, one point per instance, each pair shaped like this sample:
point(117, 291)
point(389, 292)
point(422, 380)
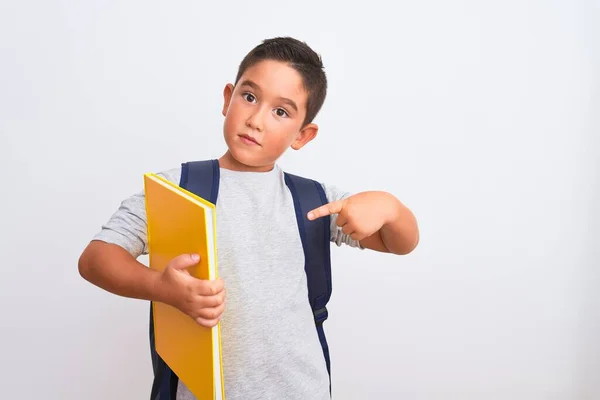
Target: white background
point(483, 117)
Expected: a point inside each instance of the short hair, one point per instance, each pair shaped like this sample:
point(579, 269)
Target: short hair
point(300, 57)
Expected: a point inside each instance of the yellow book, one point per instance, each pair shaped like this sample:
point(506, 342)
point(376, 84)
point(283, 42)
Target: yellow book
point(180, 222)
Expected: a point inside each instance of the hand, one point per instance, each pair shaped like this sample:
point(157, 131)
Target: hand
point(359, 216)
point(202, 300)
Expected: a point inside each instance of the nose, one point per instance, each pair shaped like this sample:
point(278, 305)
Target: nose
point(255, 120)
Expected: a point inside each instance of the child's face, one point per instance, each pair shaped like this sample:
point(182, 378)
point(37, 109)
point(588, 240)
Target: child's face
point(264, 114)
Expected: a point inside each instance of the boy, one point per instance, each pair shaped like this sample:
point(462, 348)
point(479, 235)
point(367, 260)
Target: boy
point(270, 345)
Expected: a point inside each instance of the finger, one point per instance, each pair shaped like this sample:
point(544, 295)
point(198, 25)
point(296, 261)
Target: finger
point(184, 261)
point(212, 312)
point(213, 301)
point(341, 220)
point(357, 236)
point(210, 288)
point(327, 209)
point(348, 229)
point(208, 323)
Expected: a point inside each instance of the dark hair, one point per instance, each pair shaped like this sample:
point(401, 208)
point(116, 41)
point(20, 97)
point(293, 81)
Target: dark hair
point(300, 57)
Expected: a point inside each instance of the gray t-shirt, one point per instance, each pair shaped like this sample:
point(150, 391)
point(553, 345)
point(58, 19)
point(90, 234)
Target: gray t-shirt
point(270, 345)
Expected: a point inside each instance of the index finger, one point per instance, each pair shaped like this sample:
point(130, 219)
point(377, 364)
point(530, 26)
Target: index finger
point(327, 209)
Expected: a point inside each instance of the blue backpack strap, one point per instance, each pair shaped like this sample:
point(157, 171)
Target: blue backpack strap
point(202, 179)
point(315, 236)
point(164, 386)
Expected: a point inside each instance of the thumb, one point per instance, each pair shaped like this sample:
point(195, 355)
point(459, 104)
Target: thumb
point(184, 261)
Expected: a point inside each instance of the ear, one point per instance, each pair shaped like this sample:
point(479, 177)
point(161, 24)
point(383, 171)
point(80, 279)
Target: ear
point(227, 93)
point(308, 133)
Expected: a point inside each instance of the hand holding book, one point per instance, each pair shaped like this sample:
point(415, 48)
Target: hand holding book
point(202, 300)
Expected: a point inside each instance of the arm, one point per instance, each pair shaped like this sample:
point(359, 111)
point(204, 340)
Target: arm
point(110, 259)
point(110, 262)
point(377, 219)
point(113, 269)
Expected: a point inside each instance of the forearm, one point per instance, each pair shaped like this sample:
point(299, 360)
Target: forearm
point(113, 269)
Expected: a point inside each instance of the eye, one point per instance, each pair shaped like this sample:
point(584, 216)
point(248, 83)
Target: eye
point(281, 112)
point(249, 97)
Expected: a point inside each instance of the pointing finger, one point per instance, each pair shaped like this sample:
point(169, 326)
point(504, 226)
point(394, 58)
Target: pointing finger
point(327, 209)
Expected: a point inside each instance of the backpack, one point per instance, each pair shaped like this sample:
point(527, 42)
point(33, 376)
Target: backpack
point(202, 179)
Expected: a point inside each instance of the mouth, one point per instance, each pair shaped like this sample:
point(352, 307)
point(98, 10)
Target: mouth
point(249, 139)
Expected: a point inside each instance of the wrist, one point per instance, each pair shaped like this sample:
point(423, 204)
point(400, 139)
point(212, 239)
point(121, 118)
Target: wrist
point(156, 288)
point(393, 209)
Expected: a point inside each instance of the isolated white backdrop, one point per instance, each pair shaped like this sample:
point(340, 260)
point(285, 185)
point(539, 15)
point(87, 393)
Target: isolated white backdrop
point(482, 117)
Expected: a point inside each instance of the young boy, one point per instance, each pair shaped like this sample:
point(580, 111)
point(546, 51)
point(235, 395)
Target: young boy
point(271, 349)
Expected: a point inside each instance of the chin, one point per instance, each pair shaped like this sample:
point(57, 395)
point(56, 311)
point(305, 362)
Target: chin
point(241, 156)
point(249, 160)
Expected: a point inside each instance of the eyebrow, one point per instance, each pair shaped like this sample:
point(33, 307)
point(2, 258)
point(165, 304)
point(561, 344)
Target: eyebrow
point(285, 100)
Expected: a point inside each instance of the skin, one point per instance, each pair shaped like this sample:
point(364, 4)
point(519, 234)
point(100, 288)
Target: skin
point(264, 116)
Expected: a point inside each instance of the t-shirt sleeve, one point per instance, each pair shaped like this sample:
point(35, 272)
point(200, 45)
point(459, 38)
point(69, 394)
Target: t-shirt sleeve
point(127, 227)
point(337, 236)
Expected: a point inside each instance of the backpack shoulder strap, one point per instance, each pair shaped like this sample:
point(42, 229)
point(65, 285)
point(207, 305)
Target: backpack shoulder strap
point(202, 179)
point(315, 235)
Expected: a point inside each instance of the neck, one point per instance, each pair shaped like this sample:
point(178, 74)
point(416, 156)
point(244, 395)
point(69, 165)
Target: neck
point(227, 161)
